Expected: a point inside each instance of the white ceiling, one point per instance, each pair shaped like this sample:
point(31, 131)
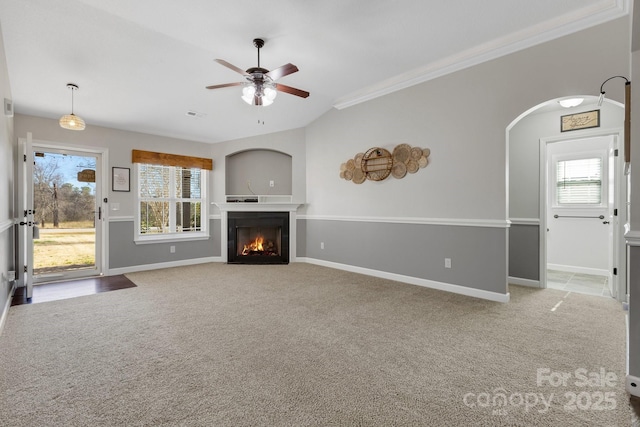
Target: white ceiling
point(142, 64)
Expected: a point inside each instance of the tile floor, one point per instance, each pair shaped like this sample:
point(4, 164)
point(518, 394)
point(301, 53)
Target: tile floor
point(581, 283)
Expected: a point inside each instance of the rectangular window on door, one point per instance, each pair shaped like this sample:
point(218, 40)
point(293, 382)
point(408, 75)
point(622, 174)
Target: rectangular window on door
point(579, 182)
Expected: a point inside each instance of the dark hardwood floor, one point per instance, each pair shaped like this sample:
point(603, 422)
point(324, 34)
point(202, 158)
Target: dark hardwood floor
point(73, 288)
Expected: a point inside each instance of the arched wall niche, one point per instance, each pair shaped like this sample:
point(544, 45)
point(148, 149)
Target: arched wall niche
point(250, 172)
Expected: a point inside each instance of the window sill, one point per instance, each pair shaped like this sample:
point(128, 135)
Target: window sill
point(146, 240)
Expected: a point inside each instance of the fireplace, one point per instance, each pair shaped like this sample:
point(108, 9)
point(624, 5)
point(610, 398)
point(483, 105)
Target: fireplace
point(258, 237)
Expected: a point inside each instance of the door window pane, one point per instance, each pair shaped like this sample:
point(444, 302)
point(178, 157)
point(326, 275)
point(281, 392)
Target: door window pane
point(579, 182)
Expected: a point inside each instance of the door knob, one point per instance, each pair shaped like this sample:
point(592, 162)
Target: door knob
point(605, 222)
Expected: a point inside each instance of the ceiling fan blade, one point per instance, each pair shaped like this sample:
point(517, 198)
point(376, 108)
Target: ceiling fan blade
point(285, 70)
point(223, 85)
point(292, 90)
point(231, 67)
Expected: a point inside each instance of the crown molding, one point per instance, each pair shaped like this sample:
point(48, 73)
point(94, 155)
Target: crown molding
point(557, 27)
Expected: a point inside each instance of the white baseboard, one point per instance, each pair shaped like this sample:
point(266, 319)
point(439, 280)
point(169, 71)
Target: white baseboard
point(5, 310)
point(578, 270)
point(524, 282)
point(146, 267)
point(463, 290)
point(633, 385)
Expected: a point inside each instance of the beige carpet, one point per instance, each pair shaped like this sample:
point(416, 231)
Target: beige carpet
point(298, 345)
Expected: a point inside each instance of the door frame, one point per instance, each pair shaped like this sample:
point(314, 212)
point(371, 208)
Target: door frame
point(26, 148)
point(618, 244)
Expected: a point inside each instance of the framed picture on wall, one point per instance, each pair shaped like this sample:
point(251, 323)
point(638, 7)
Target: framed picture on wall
point(586, 120)
point(120, 179)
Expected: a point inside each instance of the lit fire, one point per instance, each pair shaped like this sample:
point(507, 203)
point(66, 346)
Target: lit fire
point(255, 246)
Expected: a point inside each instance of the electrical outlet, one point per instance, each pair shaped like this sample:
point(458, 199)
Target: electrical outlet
point(11, 276)
point(272, 183)
point(447, 263)
point(321, 245)
point(172, 249)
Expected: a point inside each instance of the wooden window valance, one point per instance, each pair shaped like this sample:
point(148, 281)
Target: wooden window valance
point(150, 157)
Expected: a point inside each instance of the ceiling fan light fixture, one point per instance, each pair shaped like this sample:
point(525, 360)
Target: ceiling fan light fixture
point(270, 92)
point(259, 87)
point(248, 92)
point(71, 121)
point(259, 94)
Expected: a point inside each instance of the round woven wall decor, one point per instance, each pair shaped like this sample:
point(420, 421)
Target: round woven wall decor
point(377, 163)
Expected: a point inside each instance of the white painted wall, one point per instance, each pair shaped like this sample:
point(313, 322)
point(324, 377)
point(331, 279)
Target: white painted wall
point(579, 245)
point(524, 150)
point(462, 118)
point(7, 186)
point(290, 142)
point(119, 144)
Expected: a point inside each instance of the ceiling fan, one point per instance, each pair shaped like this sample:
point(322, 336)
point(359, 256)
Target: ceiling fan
point(260, 87)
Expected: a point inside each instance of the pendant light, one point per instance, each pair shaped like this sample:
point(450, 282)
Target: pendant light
point(627, 117)
point(71, 121)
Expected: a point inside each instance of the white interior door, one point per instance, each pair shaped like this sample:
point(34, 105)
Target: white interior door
point(584, 238)
point(26, 218)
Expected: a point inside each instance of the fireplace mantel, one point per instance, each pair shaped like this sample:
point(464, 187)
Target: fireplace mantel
point(258, 207)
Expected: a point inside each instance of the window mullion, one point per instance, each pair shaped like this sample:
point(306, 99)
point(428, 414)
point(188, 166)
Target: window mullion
point(172, 199)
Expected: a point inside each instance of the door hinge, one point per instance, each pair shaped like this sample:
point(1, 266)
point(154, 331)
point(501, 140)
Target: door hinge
point(615, 212)
point(25, 269)
point(615, 271)
point(25, 157)
point(615, 152)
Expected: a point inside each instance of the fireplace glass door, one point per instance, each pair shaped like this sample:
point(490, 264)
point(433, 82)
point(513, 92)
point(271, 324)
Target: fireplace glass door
point(258, 241)
point(258, 238)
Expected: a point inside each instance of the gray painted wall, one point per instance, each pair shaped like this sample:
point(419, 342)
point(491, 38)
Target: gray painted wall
point(462, 118)
point(301, 238)
point(524, 250)
point(123, 252)
point(415, 250)
point(258, 167)
point(634, 310)
point(7, 184)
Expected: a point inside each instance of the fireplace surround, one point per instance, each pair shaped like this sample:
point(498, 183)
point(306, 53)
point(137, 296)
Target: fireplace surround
point(258, 237)
point(245, 207)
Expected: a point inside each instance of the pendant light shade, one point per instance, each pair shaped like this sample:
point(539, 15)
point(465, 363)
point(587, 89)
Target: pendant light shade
point(71, 121)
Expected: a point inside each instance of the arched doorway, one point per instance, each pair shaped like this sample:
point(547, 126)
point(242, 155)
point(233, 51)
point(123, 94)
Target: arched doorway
point(530, 175)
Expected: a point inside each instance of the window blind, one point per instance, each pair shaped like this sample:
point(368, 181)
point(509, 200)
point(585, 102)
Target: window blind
point(579, 182)
point(170, 199)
